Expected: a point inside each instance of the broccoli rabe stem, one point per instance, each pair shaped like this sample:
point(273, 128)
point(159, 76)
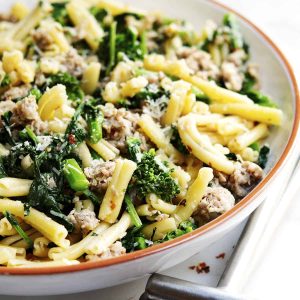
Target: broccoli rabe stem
point(112, 46)
point(132, 212)
point(95, 128)
point(15, 224)
point(74, 175)
point(31, 134)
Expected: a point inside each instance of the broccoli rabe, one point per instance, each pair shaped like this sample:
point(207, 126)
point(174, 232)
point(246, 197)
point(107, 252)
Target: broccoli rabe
point(71, 83)
point(121, 42)
point(183, 228)
point(134, 150)
point(177, 142)
point(263, 156)
point(46, 198)
point(59, 13)
point(258, 97)
point(94, 118)
point(154, 176)
point(5, 81)
point(135, 240)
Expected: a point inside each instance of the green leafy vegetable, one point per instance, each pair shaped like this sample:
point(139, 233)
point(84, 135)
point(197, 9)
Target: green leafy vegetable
point(15, 224)
point(134, 148)
point(71, 83)
point(255, 146)
point(183, 228)
point(257, 96)
point(59, 13)
point(92, 196)
point(200, 96)
point(36, 92)
point(132, 212)
point(46, 198)
point(5, 81)
point(5, 131)
point(177, 142)
point(2, 169)
point(231, 156)
point(121, 41)
point(74, 175)
point(94, 118)
point(135, 240)
point(236, 38)
point(153, 176)
point(98, 13)
point(263, 156)
point(31, 134)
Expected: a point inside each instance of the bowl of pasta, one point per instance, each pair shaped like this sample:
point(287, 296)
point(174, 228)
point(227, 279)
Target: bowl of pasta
point(131, 139)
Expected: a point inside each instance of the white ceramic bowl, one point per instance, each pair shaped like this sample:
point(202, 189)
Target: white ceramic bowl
point(277, 81)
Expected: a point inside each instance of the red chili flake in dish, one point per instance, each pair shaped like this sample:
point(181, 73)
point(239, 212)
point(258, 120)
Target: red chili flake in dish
point(221, 255)
point(72, 139)
point(202, 267)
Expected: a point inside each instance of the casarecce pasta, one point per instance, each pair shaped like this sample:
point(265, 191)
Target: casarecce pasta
point(121, 129)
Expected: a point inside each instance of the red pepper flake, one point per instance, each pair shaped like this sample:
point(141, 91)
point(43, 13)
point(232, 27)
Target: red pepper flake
point(202, 267)
point(221, 255)
point(112, 205)
point(72, 139)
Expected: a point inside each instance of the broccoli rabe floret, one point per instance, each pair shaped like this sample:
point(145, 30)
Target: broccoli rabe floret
point(134, 150)
point(183, 228)
point(154, 176)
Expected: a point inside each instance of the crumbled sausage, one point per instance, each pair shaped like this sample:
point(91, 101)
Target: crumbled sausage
point(116, 249)
point(199, 62)
point(26, 113)
point(118, 125)
point(245, 176)
point(16, 92)
point(99, 174)
point(232, 77)
point(216, 201)
point(84, 220)
point(72, 63)
point(42, 39)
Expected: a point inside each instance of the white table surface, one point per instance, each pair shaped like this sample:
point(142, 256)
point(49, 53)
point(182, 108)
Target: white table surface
point(277, 277)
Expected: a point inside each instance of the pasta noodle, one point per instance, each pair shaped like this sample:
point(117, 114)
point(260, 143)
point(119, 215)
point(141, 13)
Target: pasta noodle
point(113, 199)
point(79, 248)
point(90, 77)
point(158, 230)
point(253, 112)
point(201, 147)
point(109, 236)
point(14, 187)
point(88, 25)
point(157, 136)
point(194, 195)
point(45, 225)
point(104, 149)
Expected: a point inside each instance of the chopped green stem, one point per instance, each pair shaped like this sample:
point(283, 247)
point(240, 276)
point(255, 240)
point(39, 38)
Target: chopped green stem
point(132, 212)
point(95, 128)
point(31, 134)
point(91, 196)
point(112, 46)
point(144, 47)
point(75, 175)
point(141, 242)
point(15, 224)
